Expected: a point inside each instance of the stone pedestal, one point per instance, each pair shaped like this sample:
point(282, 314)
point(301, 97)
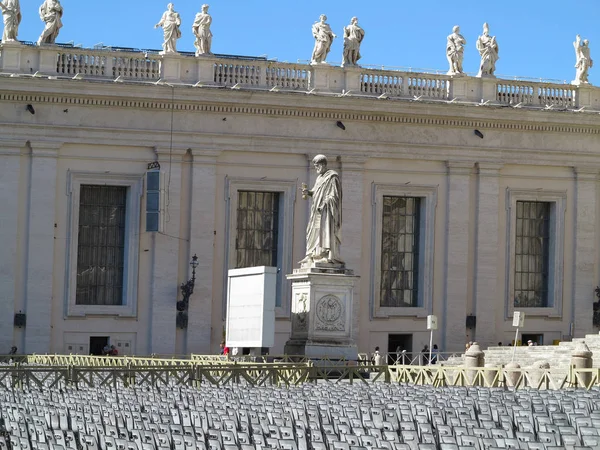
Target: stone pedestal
point(326, 78)
point(11, 56)
point(322, 313)
point(170, 69)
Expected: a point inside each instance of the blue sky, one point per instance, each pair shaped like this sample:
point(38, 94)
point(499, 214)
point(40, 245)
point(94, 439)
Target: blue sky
point(535, 36)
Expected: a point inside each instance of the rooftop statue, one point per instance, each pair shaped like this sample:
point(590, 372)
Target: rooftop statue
point(455, 48)
point(201, 29)
point(353, 37)
point(583, 60)
point(323, 233)
point(170, 23)
point(11, 13)
point(488, 49)
point(51, 14)
point(323, 39)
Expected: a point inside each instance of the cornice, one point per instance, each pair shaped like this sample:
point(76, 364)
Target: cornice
point(362, 111)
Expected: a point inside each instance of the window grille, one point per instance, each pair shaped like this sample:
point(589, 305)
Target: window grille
point(400, 251)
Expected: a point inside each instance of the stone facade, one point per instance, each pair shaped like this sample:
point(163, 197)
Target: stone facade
point(469, 147)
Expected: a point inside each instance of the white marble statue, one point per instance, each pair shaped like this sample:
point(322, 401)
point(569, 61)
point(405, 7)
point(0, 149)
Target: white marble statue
point(584, 61)
point(11, 13)
point(455, 48)
point(170, 23)
point(353, 37)
point(323, 39)
point(201, 29)
point(323, 233)
point(488, 49)
point(51, 13)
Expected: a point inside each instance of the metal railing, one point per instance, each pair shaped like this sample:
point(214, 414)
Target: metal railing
point(18, 375)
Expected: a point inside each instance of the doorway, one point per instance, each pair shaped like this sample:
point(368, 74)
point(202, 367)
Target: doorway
point(537, 339)
point(97, 344)
point(397, 343)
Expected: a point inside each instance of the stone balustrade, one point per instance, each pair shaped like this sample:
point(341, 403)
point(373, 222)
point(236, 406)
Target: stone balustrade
point(261, 73)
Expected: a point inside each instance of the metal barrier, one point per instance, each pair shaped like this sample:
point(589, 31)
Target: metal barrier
point(292, 374)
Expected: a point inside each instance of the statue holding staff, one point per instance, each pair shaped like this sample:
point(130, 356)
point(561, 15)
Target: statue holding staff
point(323, 233)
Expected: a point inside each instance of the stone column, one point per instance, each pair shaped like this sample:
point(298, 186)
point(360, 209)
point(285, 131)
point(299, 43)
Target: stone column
point(581, 358)
point(10, 154)
point(352, 175)
point(487, 296)
point(40, 249)
point(584, 251)
point(165, 257)
point(202, 238)
point(457, 255)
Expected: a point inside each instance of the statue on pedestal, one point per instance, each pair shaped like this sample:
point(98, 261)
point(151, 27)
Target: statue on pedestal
point(583, 60)
point(455, 48)
point(488, 49)
point(11, 13)
point(323, 39)
point(323, 233)
point(353, 37)
point(201, 29)
point(170, 23)
point(51, 13)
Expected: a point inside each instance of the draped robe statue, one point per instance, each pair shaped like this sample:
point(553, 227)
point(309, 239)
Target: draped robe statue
point(353, 37)
point(323, 39)
point(488, 49)
point(455, 48)
point(51, 13)
point(583, 61)
point(170, 23)
point(201, 29)
point(323, 233)
point(11, 13)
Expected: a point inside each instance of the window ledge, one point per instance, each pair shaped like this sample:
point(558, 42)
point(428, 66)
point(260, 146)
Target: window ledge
point(386, 312)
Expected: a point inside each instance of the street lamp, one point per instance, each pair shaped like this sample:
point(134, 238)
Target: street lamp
point(187, 289)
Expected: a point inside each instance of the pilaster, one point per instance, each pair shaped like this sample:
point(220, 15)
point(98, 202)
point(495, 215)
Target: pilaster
point(40, 250)
point(352, 177)
point(326, 78)
point(489, 90)
point(165, 256)
point(11, 56)
point(10, 155)
point(487, 295)
point(586, 187)
point(170, 67)
point(206, 69)
point(457, 254)
point(202, 238)
point(352, 78)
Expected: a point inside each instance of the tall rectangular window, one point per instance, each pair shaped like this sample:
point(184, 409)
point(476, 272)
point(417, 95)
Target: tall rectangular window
point(257, 229)
point(101, 245)
point(532, 254)
point(400, 251)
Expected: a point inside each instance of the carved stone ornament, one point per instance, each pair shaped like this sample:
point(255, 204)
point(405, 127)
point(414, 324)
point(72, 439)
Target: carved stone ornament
point(302, 311)
point(330, 313)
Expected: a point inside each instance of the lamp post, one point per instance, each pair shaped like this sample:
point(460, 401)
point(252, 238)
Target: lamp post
point(187, 289)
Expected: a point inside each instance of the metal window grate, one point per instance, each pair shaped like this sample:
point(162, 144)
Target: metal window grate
point(101, 245)
point(400, 251)
point(257, 229)
point(532, 254)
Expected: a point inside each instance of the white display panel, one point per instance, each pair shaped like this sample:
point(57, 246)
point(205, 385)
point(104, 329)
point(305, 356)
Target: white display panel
point(251, 296)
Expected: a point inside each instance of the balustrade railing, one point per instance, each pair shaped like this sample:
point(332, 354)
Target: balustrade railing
point(428, 86)
point(105, 63)
point(404, 84)
point(379, 82)
point(287, 76)
point(230, 73)
point(85, 62)
point(535, 94)
point(138, 67)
